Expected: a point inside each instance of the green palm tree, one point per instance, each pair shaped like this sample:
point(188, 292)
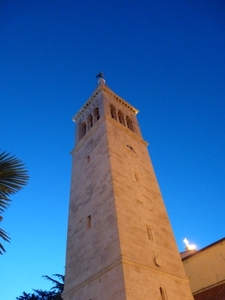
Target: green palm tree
point(13, 176)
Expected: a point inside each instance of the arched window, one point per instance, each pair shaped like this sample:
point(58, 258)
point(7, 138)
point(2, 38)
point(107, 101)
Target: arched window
point(113, 112)
point(121, 117)
point(96, 114)
point(129, 124)
point(90, 121)
point(82, 130)
point(162, 293)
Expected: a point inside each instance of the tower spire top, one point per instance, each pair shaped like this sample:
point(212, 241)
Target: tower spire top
point(100, 78)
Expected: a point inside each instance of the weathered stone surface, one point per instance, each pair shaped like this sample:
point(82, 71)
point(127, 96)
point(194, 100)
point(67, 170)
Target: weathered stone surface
point(120, 243)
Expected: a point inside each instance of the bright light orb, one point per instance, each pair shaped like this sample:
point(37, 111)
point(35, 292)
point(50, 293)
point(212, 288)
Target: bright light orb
point(188, 246)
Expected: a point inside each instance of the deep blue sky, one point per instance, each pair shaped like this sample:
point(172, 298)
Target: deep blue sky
point(166, 58)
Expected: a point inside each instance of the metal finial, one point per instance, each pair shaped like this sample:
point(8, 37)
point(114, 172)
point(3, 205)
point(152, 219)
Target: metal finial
point(100, 77)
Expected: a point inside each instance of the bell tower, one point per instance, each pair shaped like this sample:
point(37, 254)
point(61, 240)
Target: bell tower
point(120, 244)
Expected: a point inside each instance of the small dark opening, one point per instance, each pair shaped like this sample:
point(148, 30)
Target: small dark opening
point(113, 112)
point(82, 129)
point(129, 124)
point(89, 222)
point(96, 114)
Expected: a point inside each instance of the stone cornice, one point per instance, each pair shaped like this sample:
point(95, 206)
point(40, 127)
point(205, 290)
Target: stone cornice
point(105, 89)
point(87, 105)
point(119, 99)
point(123, 261)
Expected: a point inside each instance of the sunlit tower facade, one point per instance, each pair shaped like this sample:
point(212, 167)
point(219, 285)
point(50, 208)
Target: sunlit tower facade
point(120, 244)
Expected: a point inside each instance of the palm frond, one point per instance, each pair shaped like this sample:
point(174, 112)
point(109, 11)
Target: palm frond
point(2, 249)
point(4, 235)
point(13, 176)
point(4, 203)
point(6, 238)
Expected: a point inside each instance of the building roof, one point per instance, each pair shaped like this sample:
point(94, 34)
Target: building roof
point(186, 254)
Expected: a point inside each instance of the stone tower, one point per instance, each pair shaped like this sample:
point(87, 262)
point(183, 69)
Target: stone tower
point(120, 244)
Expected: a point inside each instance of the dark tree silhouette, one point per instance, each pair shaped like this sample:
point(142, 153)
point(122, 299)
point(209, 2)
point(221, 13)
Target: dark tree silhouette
point(53, 294)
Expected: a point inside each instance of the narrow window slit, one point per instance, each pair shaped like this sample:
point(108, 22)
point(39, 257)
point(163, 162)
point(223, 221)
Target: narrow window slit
point(89, 222)
point(162, 293)
point(149, 233)
point(136, 177)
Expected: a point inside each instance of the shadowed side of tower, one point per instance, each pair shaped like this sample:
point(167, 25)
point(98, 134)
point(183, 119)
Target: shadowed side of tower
point(120, 244)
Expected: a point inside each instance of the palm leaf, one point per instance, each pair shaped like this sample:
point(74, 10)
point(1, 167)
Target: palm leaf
point(6, 238)
point(4, 235)
point(13, 176)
